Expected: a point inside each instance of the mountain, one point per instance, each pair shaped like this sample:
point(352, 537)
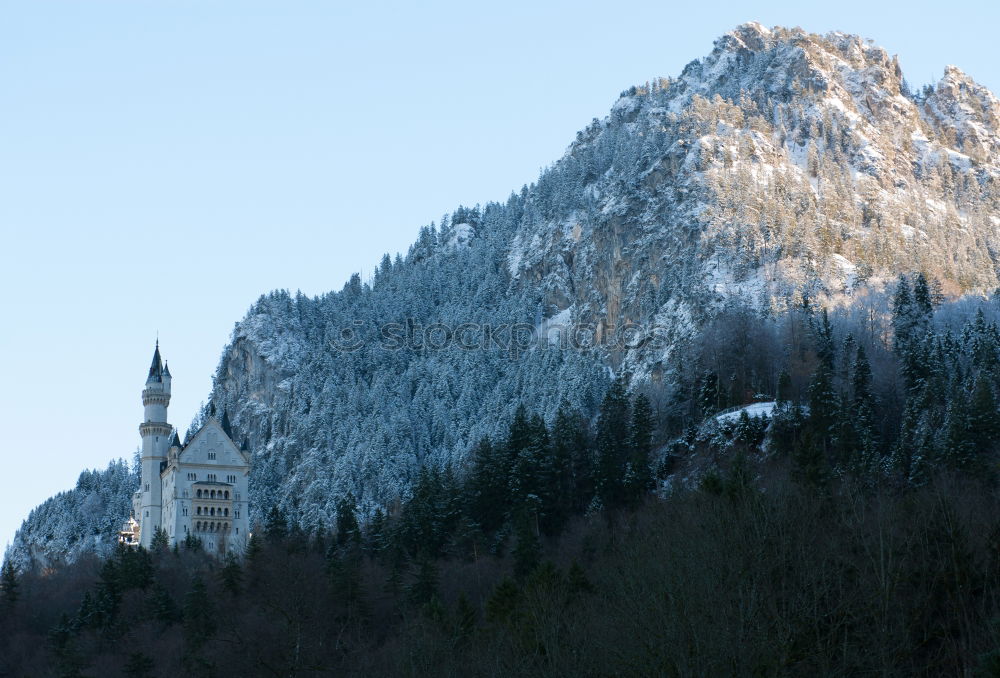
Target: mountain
point(783, 166)
point(85, 519)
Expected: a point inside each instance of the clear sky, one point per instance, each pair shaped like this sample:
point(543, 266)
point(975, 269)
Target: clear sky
point(163, 163)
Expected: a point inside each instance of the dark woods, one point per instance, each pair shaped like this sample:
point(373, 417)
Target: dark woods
point(854, 531)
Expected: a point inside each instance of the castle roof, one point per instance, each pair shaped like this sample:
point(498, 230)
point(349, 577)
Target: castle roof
point(212, 422)
point(156, 368)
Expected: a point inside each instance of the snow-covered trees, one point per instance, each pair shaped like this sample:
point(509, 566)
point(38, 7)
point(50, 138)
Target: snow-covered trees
point(84, 519)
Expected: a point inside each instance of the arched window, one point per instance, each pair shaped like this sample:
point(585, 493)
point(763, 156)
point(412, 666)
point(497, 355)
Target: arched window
point(199, 494)
point(199, 510)
point(227, 494)
point(197, 526)
point(226, 511)
point(213, 494)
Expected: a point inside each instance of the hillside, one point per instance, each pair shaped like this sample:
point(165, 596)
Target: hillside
point(783, 165)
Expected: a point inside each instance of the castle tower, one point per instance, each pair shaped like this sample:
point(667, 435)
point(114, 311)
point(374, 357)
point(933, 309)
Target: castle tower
point(156, 438)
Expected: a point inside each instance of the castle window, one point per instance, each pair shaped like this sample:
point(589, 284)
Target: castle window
point(213, 494)
point(226, 511)
point(227, 494)
point(199, 510)
point(236, 513)
point(211, 477)
point(212, 511)
point(192, 476)
point(185, 510)
point(197, 526)
point(147, 487)
point(199, 494)
point(211, 455)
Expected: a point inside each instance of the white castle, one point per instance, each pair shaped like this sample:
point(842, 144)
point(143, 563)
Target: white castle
point(198, 488)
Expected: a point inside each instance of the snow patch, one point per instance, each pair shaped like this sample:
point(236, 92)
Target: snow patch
point(461, 236)
point(754, 410)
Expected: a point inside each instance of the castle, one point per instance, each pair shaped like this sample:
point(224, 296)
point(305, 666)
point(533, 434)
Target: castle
point(198, 488)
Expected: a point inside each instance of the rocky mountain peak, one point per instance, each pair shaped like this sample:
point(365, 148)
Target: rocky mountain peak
point(783, 165)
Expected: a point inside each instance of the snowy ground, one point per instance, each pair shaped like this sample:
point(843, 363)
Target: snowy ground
point(754, 410)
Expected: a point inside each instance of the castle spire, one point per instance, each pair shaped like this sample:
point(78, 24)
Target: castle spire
point(156, 368)
point(156, 438)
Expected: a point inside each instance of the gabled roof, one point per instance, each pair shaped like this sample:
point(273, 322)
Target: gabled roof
point(212, 422)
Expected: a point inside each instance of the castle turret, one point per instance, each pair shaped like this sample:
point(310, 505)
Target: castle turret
point(156, 438)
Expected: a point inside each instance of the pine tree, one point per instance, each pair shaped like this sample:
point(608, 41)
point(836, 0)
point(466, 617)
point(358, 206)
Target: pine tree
point(68, 661)
point(254, 551)
point(376, 533)
point(232, 575)
point(533, 478)
point(856, 439)
point(486, 490)
point(983, 418)
point(708, 394)
point(902, 316)
point(570, 442)
point(784, 394)
point(824, 406)
point(424, 588)
point(199, 615)
point(824, 343)
point(343, 569)
point(9, 583)
point(810, 460)
point(612, 446)
point(348, 530)
point(161, 605)
point(519, 435)
point(161, 542)
point(923, 304)
point(565, 440)
point(528, 550)
point(276, 526)
point(504, 603)
point(640, 446)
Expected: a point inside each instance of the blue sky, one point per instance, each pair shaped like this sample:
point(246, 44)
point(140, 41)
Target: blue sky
point(162, 164)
